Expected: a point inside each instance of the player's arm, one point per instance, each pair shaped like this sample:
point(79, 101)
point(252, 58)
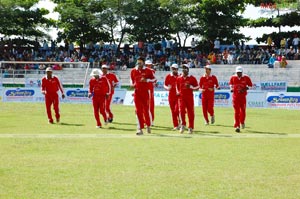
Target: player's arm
point(61, 89)
point(167, 86)
point(43, 86)
point(217, 86)
point(194, 85)
point(91, 87)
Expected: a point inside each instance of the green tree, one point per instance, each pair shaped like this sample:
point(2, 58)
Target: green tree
point(148, 21)
point(77, 21)
point(21, 19)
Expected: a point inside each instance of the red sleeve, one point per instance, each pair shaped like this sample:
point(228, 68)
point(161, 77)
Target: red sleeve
point(59, 85)
point(91, 86)
point(216, 82)
point(201, 82)
point(132, 77)
point(194, 82)
point(249, 82)
point(43, 88)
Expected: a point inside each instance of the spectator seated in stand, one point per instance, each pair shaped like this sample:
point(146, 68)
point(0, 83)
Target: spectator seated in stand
point(283, 62)
point(272, 61)
point(57, 67)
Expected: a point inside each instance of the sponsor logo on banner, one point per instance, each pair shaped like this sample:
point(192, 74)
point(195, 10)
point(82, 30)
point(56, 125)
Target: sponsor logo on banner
point(283, 100)
point(17, 94)
point(77, 95)
point(222, 99)
point(224, 85)
point(275, 86)
point(256, 99)
point(31, 82)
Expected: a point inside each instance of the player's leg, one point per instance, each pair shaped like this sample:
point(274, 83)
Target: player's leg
point(48, 103)
point(205, 109)
point(56, 107)
point(96, 107)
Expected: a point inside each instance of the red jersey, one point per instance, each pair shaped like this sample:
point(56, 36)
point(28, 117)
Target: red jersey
point(239, 85)
point(186, 85)
point(170, 80)
point(138, 76)
point(207, 82)
point(113, 80)
point(99, 87)
point(51, 85)
point(151, 84)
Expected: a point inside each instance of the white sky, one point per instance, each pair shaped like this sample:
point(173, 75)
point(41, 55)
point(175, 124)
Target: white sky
point(250, 12)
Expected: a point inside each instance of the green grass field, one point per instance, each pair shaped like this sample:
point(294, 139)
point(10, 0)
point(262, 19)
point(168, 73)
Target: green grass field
point(75, 160)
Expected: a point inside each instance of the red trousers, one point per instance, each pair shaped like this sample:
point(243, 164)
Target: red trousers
point(151, 105)
point(141, 101)
point(239, 105)
point(99, 106)
point(174, 106)
point(49, 100)
point(186, 105)
point(108, 106)
point(208, 106)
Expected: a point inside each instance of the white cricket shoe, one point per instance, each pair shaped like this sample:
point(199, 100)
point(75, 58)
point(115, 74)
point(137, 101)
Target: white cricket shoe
point(139, 132)
point(243, 126)
point(182, 128)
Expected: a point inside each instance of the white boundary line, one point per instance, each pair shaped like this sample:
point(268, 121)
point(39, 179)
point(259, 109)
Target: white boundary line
point(101, 136)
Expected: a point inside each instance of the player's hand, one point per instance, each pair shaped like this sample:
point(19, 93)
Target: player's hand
point(89, 95)
point(211, 89)
point(107, 95)
point(231, 90)
point(218, 88)
point(187, 85)
point(63, 96)
point(44, 92)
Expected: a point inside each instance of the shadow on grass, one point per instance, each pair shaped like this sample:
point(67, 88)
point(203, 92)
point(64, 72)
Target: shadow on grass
point(267, 133)
point(68, 124)
point(172, 135)
point(124, 123)
point(121, 129)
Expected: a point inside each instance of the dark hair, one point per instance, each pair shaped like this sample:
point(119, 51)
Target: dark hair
point(141, 58)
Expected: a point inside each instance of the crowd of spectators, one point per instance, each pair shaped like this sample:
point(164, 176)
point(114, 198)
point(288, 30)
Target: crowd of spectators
point(163, 54)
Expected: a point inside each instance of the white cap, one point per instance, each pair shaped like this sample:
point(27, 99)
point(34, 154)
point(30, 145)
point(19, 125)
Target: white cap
point(148, 62)
point(104, 66)
point(208, 66)
point(96, 72)
point(174, 66)
point(186, 65)
point(49, 69)
point(238, 69)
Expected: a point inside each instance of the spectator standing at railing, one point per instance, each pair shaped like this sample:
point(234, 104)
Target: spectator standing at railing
point(50, 86)
point(295, 43)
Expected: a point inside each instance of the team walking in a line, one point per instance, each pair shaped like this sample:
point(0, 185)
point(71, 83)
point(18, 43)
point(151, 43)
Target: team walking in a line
point(179, 86)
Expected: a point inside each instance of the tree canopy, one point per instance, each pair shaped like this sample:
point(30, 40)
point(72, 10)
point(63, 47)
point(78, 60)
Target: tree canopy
point(130, 21)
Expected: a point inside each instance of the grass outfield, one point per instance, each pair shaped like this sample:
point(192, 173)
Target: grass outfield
point(75, 160)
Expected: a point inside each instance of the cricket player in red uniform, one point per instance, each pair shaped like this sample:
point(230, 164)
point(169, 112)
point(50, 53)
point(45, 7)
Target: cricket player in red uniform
point(239, 85)
point(99, 89)
point(140, 77)
point(207, 85)
point(50, 87)
point(185, 85)
point(151, 85)
point(170, 85)
point(113, 80)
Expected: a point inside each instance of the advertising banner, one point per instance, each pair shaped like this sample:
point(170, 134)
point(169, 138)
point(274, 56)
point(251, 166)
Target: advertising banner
point(273, 86)
point(283, 100)
point(75, 95)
